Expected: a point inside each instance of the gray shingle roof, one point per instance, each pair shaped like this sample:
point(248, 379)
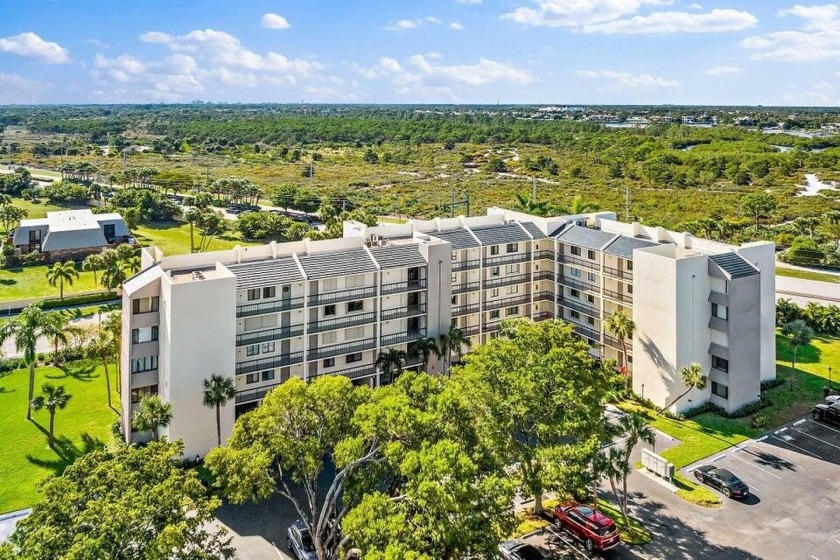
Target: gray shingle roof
point(533, 230)
point(266, 273)
point(623, 246)
point(500, 234)
point(338, 263)
point(398, 256)
point(734, 265)
point(458, 238)
point(585, 237)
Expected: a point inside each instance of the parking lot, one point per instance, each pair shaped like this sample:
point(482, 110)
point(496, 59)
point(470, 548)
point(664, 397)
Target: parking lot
point(793, 511)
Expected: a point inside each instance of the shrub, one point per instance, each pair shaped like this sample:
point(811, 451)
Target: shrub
point(85, 299)
point(771, 383)
point(759, 421)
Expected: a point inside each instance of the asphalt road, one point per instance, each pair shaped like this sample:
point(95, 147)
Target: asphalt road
point(803, 292)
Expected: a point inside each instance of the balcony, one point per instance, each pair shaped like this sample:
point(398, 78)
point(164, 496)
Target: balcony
point(342, 322)
point(251, 395)
point(580, 307)
point(354, 373)
point(404, 286)
point(408, 311)
point(544, 275)
point(507, 259)
point(402, 337)
point(498, 281)
point(465, 309)
point(269, 363)
point(543, 316)
point(458, 266)
point(252, 309)
point(507, 302)
point(578, 285)
point(544, 296)
point(340, 349)
point(471, 330)
point(578, 262)
point(465, 288)
point(587, 333)
point(625, 275)
point(613, 342)
point(344, 295)
point(245, 339)
point(544, 255)
point(618, 296)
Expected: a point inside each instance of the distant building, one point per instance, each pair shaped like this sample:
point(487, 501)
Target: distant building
point(70, 234)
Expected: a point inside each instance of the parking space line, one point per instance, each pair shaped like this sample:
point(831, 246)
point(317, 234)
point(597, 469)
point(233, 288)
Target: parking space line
point(756, 466)
point(796, 446)
point(780, 431)
point(816, 438)
point(824, 426)
point(799, 422)
point(762, 438)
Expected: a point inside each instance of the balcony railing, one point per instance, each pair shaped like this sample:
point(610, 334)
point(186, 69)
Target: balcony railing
point(356, 372)
point(543, 316)
point(499, 281)
point(544, 296)
point(460, 310)
point(508, 259)
point(465, 288)
point(471, 330)
point(578, 262)
point(404, 286)
point(544, 255)
point(458, 266)
point(618, 296)
point(342, 322)
point(408, 311)
point(269, 363)
point(252, 309)
point(625, 275)
point(401, 337)
point(591, 334)
point(507, 302)
point(251, 395)
point(245, 339)
point(544, 275)
point(613, 342)
point(339, 349)
point(344, 295)
point(578, 306)
point(578, 285)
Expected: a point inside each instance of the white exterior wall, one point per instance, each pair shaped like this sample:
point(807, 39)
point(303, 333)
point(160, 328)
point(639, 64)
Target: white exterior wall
point(763, 256)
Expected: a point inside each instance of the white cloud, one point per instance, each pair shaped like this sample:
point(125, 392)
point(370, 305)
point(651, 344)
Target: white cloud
point(31, 45)
point(468, 1)
point(817, 39)
point(389, 64)
point(628, 80)
point(695, 7)
point(724, 71)
point(576, 13)
point(18, 89)
point(274, 21)
point(677, 22)
point(403, 24)
point(455, 26)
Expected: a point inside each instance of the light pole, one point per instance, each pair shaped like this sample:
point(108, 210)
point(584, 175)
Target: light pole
point(829, 379)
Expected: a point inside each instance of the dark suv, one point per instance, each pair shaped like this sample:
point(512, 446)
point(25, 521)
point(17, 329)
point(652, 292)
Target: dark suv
point(827, 412)
point(299, 541)
point(594, 529)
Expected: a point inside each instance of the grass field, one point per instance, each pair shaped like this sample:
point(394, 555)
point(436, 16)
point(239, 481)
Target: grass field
point(808, 275)
point(25, 456)
point(173, 238)
point(31, 282)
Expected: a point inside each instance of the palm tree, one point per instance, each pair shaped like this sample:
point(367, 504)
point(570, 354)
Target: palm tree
point(579, 206)
point(427, 347)
point(455, 341)
point(623, 328)
point(799, 334)
point(101, 347)
point(617, 468)
point(32, 324)
point(62, 272)
point(529, 205)
point(153, 414)
point(113, 326)
point(93, 263)
point(53, 398)
point(635, 428)
point(389, 361)
point(59, 323)
point(218, 390)
point(693, 378)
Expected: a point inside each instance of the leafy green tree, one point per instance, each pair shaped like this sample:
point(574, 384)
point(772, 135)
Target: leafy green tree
point(61, 272)
point(623, 328)
point(427, 347)
point(25, 329)
point(391, 362)
point(758, 205)
point(10, 216)
point(530, 206)
point(798, 334)
point(53, 399)
point(126, 503)
point(218, 390)
point(692, 377)
point(452, 341)
point(151, 415)
point(93, 263)
point(101, 348)
point(543, 400)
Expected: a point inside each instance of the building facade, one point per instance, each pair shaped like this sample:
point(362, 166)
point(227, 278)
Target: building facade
point(70, 234)
point(264, 314)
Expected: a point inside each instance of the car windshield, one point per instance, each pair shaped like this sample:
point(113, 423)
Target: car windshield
point(306, 542)
point(528, 552)
point(604, 531)
point(728, 477)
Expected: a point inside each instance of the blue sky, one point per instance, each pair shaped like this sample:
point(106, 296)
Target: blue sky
point(464, 51)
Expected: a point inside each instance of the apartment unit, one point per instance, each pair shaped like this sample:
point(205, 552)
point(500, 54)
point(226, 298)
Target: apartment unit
point(70, 234)
point(264, 314)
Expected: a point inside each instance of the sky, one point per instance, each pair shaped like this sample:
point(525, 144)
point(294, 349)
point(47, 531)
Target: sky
point(725, 52)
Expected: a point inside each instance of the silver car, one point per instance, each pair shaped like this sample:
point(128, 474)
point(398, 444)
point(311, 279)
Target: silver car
point(520, 550)
point(299, 541)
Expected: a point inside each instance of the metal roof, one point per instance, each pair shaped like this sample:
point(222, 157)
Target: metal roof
point(500, 234)
point(623, 246)
point(458, 238)
point(398, 256)
point(585, 237)
point(338, 263)
point(266, 273)
point(734, 265)
point(533, 230)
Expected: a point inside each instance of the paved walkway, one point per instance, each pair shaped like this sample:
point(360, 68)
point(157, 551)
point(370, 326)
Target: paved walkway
point(44, 345)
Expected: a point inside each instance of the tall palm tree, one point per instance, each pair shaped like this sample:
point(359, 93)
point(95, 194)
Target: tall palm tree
point(93, 263)
point(617, 468)
point(391, 361)
point(453, 341)
point(529, 205)
point(427, 347)
point(218, 390)
point(32, 324)
point(62, 272)
point(693, 378)
point(113, 326)
point(101, 347)
point(623, 328)
point(579, 206)
point(153, 414)
point(799, 334)
point(635, 428)
point(53, 399)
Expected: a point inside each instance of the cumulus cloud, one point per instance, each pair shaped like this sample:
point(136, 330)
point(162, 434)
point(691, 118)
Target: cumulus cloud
point(455, 26)
point(818, 37)
point(677, 22)
point(468, 1)
point(30, 45)
point(18, 89)
point(724, 71)
point(274, 21)
point(628, 80)
point(563, 13)
point(403, 24)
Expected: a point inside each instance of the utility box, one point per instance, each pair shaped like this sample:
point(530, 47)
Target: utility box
point(657, 465)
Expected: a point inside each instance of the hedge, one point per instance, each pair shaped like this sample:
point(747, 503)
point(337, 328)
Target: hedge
point(84, 299)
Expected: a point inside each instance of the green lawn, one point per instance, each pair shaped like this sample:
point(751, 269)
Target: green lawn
point(25, 456)
point(808, 275)
point(173, 238)
point(31, 281)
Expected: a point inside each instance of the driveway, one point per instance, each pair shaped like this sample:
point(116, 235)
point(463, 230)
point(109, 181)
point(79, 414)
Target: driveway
point(803, 292)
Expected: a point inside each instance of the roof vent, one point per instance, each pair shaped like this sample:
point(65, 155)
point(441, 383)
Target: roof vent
point(197, 275)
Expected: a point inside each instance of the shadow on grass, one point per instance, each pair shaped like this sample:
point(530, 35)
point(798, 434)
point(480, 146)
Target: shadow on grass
point(78, 370)
point(66, 451)
point(8, 282)
point(155, 226)
point(808, 354)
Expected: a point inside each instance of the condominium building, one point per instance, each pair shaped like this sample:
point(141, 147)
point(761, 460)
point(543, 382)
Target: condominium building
point(264, 314)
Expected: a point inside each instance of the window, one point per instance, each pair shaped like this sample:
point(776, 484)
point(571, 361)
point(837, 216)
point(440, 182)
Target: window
point(513, 289)
point(720, 363)
point(329, 311)
point(590, 320)
point(494, 271)
point(590, 255)
point(355, 306)
point(629, 288)
point(590, 298)
point(454, 257)
point(591, 277)
point(268, 347)
point(455, 278)
point(575, 272)
point(574, 314)
point(354, 333)
point(329, 362)
point(253, 294)
point(138, 394)
point(252, 350)
point(629, 265)
point(575, 251)
point(720, 311)
point(494, 250)
point(720, 390)
point(252, 378)
point(329, 284)
point(513, 269)
point(269, 292)
point(145, 305)
point(494, 292)
point(512, 311)
point(329, 337)
point(261, 322)
point(574, 293)
point(145, 334)
point(512, 247)
point(353, 358)
point(267, 375)
point(110, 231)
point(146, 363)
point(494, 314)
